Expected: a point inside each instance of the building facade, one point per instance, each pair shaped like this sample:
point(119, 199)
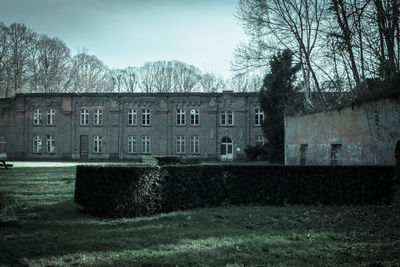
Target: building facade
point(126, 126)
point(367, 134)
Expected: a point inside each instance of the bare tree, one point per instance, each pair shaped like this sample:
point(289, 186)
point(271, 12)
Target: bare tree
point(50, 63)
point(278, 24)
point(245, 82)
point(88, 74)
point(212, 83)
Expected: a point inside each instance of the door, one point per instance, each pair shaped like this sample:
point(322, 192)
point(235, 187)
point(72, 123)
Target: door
point(84, 146)
point(226, 148)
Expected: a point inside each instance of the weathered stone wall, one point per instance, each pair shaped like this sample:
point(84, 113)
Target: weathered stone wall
point(362, 135)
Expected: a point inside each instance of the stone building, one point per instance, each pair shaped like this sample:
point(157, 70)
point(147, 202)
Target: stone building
point(367, 134)
point(126, 126)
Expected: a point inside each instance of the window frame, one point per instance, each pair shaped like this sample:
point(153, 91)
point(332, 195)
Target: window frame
point(195, 144)
point(195, 117)
point(146, 144)
point(37, 144)
point(98, 117)
point(50, 117)
point(146, 117)
point(132, 143)
point(180, 117)
point(52, 141)
point(258, 117)
point(227, 118)
point(180, 144)
point(37, 117)
point(97, 144)
point(84, 117)
point(132, 121)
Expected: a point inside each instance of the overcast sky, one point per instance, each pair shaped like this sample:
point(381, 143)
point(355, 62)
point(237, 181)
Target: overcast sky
point(125, 33)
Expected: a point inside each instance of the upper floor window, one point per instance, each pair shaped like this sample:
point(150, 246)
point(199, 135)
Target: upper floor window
point(180, 144)
point(259, 140)
point(132, 144)
point(98, 117)
point(194, 145)
point(194, 117)
point(97, 144)
point(84, 117)
point(50, 144)
point(146, 116)
point(50, 116)
point(145, 144)
point(132, 117)
point(226, 118)
point(37, 144)
point(37, 117)
point(180, 117)
point(258, 117)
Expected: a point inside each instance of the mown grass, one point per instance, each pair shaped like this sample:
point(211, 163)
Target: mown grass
point(61, 234)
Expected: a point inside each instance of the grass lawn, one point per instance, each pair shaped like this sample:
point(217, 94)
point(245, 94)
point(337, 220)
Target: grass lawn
point(53, 231)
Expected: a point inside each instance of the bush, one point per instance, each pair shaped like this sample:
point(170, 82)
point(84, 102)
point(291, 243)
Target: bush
point(140, 191)
point(168, 160)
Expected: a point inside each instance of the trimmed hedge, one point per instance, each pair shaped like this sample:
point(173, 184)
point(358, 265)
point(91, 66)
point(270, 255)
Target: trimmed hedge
point(124, 191)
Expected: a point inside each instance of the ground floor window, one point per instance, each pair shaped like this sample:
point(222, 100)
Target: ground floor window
point(194, 144)
point(97, 144)
point(37, 144)
point(180, 144)
point(259, 140)
point(50, 144)
point(146, 144)
point(132, 144)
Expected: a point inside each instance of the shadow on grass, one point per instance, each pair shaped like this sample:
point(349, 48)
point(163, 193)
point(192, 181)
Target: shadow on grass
point(64, 235)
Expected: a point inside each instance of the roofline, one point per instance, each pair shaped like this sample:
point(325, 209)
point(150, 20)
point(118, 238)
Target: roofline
point(162, 94)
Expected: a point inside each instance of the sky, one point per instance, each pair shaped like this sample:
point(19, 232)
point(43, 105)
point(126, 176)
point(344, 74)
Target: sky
point(124, 33)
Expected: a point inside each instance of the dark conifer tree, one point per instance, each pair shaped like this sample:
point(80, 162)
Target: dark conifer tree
point(277, 95)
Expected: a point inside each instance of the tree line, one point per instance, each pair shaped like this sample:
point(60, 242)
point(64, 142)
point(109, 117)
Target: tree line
point(36, 63)
point(347, 50)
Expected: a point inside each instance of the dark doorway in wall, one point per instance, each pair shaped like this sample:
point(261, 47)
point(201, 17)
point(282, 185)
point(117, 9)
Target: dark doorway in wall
point(335, 153)
point(303, 152)
point(84, 146)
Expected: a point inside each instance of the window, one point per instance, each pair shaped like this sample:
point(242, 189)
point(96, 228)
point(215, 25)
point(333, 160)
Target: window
point(258, 117)
point(194, 117)
point(50, 144)
point(84, 117)
point(226, 118)
point(37, 144)
point(145, 144)
point(50, 116)
point(230, 118)
point(37, 117)
point(146, 117)
point(259, 140)
point(132, 145)
point(132, 117)
point(180, 117)
point(97, 144)
point(194, 145)
point(180, 144)
point(98, 117)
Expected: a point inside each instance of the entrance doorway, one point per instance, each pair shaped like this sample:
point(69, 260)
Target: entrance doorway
point(84, 146)
point(226, 148)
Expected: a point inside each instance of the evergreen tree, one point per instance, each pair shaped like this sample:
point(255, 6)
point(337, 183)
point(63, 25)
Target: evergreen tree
point(277, 95)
